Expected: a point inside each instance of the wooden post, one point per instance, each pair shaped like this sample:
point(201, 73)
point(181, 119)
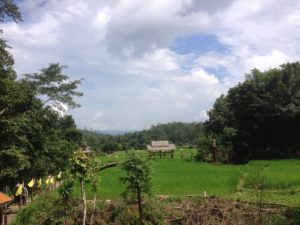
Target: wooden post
point(159, 154)
point(1, 215)
point(214, 148)
point(5, 219)
point(172, 154)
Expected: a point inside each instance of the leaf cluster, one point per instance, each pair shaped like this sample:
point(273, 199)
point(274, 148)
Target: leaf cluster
point(138, 174)
point(260, 117)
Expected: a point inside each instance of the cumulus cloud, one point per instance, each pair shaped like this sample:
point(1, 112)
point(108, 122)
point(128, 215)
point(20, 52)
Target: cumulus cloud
point(122, 48)
point(136, 27)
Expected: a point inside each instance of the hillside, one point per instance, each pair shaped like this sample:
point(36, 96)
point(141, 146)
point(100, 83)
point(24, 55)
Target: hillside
point(179, 133)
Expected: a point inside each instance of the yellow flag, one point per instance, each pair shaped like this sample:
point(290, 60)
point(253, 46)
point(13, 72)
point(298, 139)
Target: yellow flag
point(59, 175)
point(51, 181)
point(31, 183)
point(19, 190)
point(40, 182)
point(47, 180)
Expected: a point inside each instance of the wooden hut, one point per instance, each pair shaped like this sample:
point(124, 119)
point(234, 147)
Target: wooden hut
point(4, 200)
point(161, 148)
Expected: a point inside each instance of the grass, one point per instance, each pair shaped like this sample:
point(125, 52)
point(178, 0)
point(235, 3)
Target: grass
point(282, 181)
point(182, 176)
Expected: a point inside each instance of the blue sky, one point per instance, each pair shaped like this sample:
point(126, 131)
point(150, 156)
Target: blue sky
point(149, 62)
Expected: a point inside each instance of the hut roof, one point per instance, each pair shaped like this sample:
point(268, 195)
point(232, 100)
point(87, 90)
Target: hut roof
point(159, 143)
point(4, 198)
point(160, 146)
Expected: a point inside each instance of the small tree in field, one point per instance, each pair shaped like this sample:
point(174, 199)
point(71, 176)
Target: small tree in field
point(137, 179)
point(81, 168)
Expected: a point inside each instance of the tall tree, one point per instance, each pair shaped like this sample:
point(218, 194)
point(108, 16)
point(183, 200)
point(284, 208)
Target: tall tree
point(261, 115)
point(9, 9)
point(55, 86)
point(35, 140)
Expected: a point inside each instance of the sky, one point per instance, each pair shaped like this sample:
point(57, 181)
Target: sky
point(155, 61)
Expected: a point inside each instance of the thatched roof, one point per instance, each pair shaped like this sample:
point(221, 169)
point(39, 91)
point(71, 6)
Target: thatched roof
point(161, 146)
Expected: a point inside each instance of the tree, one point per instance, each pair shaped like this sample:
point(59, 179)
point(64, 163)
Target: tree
point(110, 147)
point(35, 140)
point(138, 179)
point(81, 168)
point(12, 161)
point(51, 83)
point(260, 117)
point(65, 190)
point(9, 9)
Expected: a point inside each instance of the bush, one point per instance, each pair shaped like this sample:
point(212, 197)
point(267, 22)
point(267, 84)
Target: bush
point(293, 215)
point(46, 210)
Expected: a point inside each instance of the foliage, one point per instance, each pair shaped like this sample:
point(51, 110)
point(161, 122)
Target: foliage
point(181, 134)
point(138, 174)
point(204, 148)
point(55, 85)
point(197, 210)
point(81, 167)
point(35, 139)
point(259, 118)
point(66, 187)
point(47, 209)
point(12, 161)
point(9, 9)
point(293, 215)
point(137, 179)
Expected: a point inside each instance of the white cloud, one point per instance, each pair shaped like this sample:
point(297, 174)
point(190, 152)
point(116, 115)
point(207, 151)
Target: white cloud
point(122, 48)
point(201, 116)
point(136, 27)
point(265, 62)
point(103, 16)
point(98, 115)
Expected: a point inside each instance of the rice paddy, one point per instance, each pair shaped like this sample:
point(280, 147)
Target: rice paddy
point(183, 176)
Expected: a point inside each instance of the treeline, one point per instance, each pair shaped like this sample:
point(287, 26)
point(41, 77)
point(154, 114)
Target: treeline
point(35, 140)
point(259, 118)
point(181, 134)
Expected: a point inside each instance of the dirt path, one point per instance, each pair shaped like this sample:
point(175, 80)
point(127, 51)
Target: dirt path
point(12, 211)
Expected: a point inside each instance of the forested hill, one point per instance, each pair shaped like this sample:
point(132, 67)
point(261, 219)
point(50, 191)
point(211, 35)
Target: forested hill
point(176, 132)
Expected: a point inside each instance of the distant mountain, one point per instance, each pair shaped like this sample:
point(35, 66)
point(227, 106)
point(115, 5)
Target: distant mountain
point(114, 132)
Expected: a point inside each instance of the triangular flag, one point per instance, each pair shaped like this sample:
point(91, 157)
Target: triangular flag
point(47, 180)
point(51, 181)
point(31, 183)
point(40, 182)
point(59, 175)
point(19, 190)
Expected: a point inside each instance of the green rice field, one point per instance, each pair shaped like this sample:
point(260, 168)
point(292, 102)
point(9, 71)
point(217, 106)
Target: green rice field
point(182, 176)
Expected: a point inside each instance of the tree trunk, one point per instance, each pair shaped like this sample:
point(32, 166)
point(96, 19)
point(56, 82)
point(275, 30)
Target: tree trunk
point(94, 206)
point(140, 205)
point(84, 201)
